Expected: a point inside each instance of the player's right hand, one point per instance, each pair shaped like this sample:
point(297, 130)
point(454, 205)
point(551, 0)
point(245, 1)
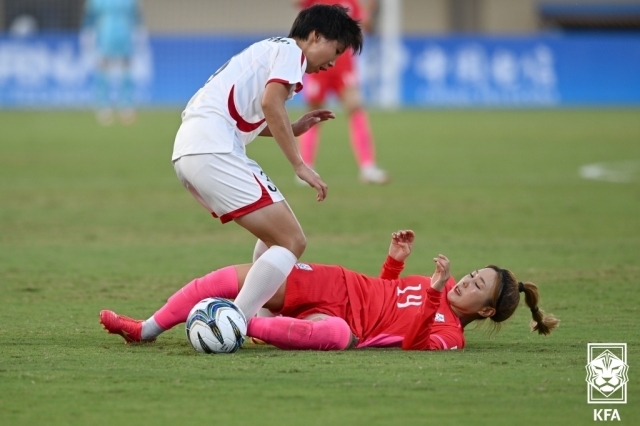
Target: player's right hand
point(401, 244)
point(308, 175)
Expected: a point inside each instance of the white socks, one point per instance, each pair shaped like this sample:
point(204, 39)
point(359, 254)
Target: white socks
point(258, 251)
point(266, 275)
point(150, 329)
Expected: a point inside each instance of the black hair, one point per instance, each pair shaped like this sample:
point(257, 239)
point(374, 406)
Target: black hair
point(331, 21)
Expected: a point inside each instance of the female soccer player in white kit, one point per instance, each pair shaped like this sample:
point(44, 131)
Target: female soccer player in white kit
point(244, 99)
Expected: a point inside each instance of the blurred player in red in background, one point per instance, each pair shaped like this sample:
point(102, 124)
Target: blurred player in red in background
point(328, 307)
point(342, 81)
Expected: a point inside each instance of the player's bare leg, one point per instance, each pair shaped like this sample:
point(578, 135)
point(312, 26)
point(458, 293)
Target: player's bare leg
point(278, 228)
point(361, 137)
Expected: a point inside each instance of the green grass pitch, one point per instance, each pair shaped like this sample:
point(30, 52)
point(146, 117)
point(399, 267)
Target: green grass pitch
point(94, 218)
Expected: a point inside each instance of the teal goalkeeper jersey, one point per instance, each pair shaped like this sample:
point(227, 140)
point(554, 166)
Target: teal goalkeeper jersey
point(114, 22)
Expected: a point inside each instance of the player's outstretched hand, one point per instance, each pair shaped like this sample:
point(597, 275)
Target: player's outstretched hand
point(401, 244)
point(441, 275)
point(310, 119)
point(308, 175)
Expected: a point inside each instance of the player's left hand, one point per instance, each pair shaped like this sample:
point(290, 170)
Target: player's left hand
point(401, 244)
point(308, 175)
point(441, 275)
point(310, 119)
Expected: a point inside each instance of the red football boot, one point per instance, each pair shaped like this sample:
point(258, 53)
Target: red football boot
point(129, 328)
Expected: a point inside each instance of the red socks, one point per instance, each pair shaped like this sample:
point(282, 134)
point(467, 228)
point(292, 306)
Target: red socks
point(328, 334)
point(220, 283)
point(309, 145)
point(361, 140)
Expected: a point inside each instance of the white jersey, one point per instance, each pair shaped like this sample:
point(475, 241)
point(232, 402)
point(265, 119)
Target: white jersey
point(228, 109)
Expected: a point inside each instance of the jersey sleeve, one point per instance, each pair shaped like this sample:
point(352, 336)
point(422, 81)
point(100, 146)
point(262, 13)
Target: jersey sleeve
point(288, 63)
point(419, 335)
point(445, 340)
point(391, 269)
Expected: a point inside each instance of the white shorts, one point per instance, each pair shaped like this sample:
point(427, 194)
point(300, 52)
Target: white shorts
point(228, 185)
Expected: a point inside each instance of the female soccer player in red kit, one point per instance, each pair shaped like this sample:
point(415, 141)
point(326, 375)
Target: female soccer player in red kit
point(342, 81)
point(328, 307)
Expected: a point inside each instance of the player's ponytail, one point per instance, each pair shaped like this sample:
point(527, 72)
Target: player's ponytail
point(541, 322)
point(506, 298)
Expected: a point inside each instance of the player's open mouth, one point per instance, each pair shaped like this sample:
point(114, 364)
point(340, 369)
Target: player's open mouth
point(458, 292)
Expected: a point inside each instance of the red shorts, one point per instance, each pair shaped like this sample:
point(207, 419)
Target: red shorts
point(318, 86)
point(316, 289)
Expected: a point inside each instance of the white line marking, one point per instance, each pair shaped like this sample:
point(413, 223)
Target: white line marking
point(615, 171)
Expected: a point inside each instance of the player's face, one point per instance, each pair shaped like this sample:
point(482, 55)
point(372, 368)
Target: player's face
point(321, 53)
point(473, 291)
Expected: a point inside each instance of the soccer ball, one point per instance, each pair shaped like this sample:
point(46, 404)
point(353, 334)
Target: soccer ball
point(216, 326)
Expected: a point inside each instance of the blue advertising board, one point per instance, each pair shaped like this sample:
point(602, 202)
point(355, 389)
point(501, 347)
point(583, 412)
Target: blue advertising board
point(540, 70)
point(530, 71)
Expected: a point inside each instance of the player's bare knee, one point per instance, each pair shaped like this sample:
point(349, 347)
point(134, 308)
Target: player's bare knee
point(297, 244)
point(352, 109)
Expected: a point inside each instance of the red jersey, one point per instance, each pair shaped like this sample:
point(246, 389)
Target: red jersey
point(385, 311)
point(393, 312)
point(356, 11)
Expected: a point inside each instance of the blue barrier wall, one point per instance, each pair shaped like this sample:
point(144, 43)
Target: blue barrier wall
point(541, 70)
point(538, 70)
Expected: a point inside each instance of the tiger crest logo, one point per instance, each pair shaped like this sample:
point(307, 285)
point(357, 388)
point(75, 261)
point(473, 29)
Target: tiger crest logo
point(607, 373)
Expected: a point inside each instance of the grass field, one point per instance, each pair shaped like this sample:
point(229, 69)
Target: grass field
point(94, 218)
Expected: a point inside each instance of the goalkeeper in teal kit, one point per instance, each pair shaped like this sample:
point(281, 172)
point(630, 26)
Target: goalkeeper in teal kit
point(113, 26)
